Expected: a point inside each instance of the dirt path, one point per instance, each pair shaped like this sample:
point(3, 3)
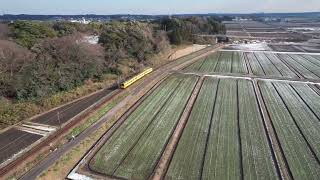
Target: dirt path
point(251, 77)
point(277, 150)
point(169, 150)
point(185, 51)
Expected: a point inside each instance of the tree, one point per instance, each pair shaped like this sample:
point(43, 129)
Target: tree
point(27, 33)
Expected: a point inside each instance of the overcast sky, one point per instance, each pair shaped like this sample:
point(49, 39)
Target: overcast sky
point(154, 6)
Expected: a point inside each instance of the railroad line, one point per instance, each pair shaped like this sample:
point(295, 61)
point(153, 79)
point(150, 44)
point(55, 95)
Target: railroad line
point(10, 166)
point(181, 62)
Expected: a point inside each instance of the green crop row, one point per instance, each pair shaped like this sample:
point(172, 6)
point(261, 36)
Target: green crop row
point(287, 111)
point(267, 65)
point(313, 59)
point(123, 139)
point(304, 118)
point(210, 64)
point(256, 153)
point(238, 63)
point(218, 155)
point(224, 62)
point(300, 68)
point(188, 157)
point(261, 64)
point(222, 158)
point(283, 69)
point(310, 97)
point(311, 66)
point(255, 65)
point(134, 149)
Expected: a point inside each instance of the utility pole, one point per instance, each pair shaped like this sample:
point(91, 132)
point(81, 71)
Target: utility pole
point(58, 114)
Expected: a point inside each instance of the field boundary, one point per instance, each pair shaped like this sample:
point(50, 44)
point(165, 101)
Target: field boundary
point(98, 145)
point(272, 52)
point(281, 161)
point(169, 149)
point(250, 77)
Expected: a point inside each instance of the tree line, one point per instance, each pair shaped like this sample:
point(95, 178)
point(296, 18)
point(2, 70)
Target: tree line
point(40, 59)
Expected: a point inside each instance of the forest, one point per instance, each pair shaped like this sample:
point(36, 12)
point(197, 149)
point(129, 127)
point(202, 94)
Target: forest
point(46, 64)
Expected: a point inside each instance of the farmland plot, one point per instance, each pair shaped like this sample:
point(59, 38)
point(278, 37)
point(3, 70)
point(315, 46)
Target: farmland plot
point(133, 151)
point(223, 62)
point(256, 152)
point(188, 157)
point(305, 119)
point(255, 65)
point(312, 59)
point(310, 97)
point(307, 64)
point(298, 67)
point(238, 63)
point(267, 65)
point(222, 158)
point(195, 66)
point(215, 140)
point(211, 63)
point(283, 69)
point(299, 149)
point(316, 57)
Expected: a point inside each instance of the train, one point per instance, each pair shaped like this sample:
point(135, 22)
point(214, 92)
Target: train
point(129, 82)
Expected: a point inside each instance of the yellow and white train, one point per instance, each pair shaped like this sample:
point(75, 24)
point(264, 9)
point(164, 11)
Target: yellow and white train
point(129, 82)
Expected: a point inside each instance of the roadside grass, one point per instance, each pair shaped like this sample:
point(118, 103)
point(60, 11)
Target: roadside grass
point(66, 162)
point(12, 112)
point(97, 115)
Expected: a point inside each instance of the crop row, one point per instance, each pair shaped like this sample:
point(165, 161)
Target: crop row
point(223, 62)
point(224, 137)
point(294, 112)
point(262, 64)
point(133, 150)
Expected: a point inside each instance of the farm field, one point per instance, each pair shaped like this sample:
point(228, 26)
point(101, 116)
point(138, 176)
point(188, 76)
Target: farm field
point(221, 62)
point(145, 133)
point(260, 121)
point(294, 111)
point(224, 137)
point(261, 63)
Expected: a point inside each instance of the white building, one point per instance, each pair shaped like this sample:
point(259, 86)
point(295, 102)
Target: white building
point(82, 21)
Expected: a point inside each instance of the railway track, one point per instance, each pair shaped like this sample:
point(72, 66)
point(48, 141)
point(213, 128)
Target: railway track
point(67, 126)
point(164, 70)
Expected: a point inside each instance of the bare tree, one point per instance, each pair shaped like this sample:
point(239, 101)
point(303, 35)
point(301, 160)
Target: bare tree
point(4, 31)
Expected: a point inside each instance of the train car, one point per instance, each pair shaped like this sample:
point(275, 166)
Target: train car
point(129, 82)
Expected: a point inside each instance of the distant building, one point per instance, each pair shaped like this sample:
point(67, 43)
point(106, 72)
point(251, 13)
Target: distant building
point(82, 21)
point(222, 39)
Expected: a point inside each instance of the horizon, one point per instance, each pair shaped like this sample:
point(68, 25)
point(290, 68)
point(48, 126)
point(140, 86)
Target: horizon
point(249, 13)
point(165, 7)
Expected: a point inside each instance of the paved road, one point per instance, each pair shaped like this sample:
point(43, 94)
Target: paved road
point(22, 140)
point(70, 110)
point(53, 157)
point(13, 140)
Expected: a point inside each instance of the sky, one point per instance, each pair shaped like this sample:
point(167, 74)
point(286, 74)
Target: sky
point(155, 6)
